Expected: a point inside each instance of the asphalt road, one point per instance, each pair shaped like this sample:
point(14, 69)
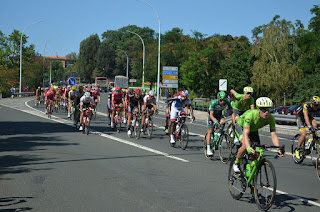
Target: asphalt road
point(48, 165)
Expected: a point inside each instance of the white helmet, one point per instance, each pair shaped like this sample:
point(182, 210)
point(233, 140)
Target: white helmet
point(87, 95)
point(264, 102)
point(151, 93)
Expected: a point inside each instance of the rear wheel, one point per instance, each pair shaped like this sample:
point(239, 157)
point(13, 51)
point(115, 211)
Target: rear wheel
point(236, 181)
point(184, 136)
point(294, 148)
point(265, 185)
point(225, 146)
point(318, 165)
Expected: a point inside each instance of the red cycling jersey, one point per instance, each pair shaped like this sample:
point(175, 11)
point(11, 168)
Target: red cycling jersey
point(117, 97)
point(49, 95)
point(95, 93)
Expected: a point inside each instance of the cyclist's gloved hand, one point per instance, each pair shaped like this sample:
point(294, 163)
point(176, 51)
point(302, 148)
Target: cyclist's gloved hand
point(310, 128)
point(215, 122)
point(281, 151)
point(250, 150)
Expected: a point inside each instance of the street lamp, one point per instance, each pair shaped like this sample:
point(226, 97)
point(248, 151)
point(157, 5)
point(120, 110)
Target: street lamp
point(44, 52)
point(158, 79)
point(21, 52)
point(143, 55)
point(127, 63)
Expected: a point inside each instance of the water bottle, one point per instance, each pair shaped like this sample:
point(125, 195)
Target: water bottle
point(248, 170)
point(308, 143)
point(216, 137)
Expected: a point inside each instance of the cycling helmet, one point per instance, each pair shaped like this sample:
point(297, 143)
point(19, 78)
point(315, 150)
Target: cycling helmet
point(264, 102)
point(52, 89)
point(69, 86)
point(131, 90)
point(247, 90)
point(74, 88)
point(88, 89)
point(151, 93)
point(138, 91)
point(186, 93)
point(97, 88)
point(315, 100)
point(143, 90)
point(39, 87)
point(81, 87)
point(87, 95)
point(221, 95)
point(118, 89)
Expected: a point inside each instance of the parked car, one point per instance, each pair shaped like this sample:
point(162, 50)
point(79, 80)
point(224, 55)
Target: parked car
point(277, 110)
point(292, 110)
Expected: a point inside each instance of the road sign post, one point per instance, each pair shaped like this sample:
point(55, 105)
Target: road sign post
point(71, 81)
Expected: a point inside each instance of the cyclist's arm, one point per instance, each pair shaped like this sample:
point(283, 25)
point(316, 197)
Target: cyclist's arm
point(246, 139)
point(212, 117)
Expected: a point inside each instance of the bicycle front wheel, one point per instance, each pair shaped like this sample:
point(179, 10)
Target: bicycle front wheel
point(150, 128)
point(236, 181)
point(297, 158)
point(87, 129)
point(118, 126)
point(225, 146)
point(265, 185)
point(184, 136)
point(318, 165)
point(137, 128)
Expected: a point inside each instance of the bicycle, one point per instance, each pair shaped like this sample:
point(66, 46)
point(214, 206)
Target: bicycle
point(310, 146)
point(136, 124)
point(181, 131)
point(56, 106)
point(87, 116)
point(148, 124)
point(117, 118)
point(50, 109)
point(255, 175)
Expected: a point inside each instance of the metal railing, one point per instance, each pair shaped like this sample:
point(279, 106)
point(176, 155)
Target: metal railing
point(24, 94)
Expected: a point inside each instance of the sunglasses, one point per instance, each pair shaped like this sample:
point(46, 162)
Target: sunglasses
point(265, 109)
point(249, 93)
point(222, 100)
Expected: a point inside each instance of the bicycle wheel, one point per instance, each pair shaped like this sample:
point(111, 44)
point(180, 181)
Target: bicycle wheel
point(184, 136)
point(87, 129)
point(236, 181)
point(118, 126)
point(137, 128)
point(314, 153)
point(150, 127)
point(318, 165)
point(265, 185)
point(224, 148)
point(294, 148)
point(205, 146)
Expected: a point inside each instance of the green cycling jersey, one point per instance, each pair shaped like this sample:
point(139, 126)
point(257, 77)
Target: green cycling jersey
point(239, 105)
point(216, 108)
point(250, 120)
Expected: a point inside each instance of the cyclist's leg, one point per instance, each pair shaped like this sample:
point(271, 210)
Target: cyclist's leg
point(303, 133)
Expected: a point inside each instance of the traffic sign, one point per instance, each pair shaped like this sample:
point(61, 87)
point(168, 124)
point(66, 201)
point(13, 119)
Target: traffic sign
point(170, 72)
point(71, 81)
point(170, 68)
point(132, 80)
point(170, 81)
point(170, 85)
point(170, 77)
point(222, 84)
point(147, 83)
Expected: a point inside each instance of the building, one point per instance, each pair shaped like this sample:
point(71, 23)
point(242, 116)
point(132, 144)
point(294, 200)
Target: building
point(65, 61)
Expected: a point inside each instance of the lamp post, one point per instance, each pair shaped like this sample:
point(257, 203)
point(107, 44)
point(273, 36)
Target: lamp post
point(44, 52)
point(127, 62)
point(21, 52)
point(158, 79)
point(143, 55)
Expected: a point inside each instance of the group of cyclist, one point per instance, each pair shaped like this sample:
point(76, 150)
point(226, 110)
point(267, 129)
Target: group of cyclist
point(248, 116)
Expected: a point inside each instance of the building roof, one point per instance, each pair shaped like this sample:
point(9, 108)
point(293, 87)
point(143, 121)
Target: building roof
point(57, 58)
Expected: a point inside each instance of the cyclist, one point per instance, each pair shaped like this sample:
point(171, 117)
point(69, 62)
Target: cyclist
point(49, 98)
point(96, 95)
point(134, 105)
point(38, 95)
point(179, 103)
point(215, 116)
point(143, 92)
point(242, 102)
point(129, 93)
point(168, 107)
point(116, 100)
point(71, 97)
point(305, 118)
point(86, 102)
point(109, 105)
point(79, 93)
point(148, 102)
point(247, 128)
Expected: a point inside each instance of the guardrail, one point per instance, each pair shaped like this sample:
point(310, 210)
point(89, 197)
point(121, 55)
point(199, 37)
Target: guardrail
point(24, 94)
point(289, 118)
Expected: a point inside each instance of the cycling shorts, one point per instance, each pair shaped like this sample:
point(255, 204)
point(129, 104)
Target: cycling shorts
point(253, 136)
point(174, 112)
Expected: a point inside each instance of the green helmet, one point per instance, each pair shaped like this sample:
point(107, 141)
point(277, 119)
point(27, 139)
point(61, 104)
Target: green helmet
point(143, 90)
point(247, 90)
point(221, 95)
point(264, 102)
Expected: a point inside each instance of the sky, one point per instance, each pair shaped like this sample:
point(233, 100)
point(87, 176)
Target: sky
point(65, 23)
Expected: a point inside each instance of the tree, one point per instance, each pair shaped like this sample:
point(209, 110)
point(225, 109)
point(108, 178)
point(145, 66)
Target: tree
point(105, 60)
point(275, 68)
point(87, 57)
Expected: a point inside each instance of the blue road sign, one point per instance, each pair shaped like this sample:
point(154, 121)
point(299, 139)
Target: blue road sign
point(170, 72)
point(71, 81)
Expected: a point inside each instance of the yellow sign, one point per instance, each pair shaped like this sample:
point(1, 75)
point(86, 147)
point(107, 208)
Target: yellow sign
point(147, 83)
point(170, 77)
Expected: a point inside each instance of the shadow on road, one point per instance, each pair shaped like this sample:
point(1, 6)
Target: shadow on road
point(14, 201)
